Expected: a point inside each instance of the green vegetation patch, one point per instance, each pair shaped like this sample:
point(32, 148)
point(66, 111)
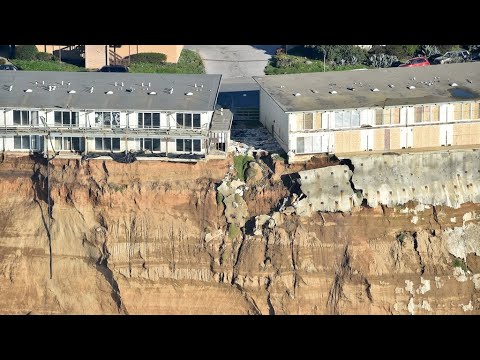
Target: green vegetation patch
point(460, 263)
point(233, 231)
point(240, 163)
point(188, 63)
point(39, 65)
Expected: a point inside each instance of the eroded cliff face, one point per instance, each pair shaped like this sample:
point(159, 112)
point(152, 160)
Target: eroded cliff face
point(152, 237)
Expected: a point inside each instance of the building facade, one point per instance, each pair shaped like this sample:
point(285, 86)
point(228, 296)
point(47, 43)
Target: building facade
point(372, 110)
point(56, 112)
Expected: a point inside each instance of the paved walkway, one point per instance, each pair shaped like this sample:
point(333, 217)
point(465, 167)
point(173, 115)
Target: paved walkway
point(235, 61)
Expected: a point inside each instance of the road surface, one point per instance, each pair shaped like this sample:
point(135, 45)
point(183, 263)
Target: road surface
point(235, 61)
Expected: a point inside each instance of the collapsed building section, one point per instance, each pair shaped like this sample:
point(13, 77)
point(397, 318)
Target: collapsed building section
point(168, 115)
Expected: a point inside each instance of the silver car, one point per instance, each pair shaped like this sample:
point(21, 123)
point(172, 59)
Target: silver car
point(452, 57)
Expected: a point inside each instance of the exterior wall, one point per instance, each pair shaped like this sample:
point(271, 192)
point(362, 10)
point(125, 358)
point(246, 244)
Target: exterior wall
point(171, 51)
point(379, 140)
point(272, 114)
point(426, 136)
point(466, 134)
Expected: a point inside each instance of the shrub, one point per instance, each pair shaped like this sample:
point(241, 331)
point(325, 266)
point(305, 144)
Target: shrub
point(427, 50)
point(26, 52)
point(43, 56)
point(233, 231)
point(381, 60)
point(340, 54)
point(3, 61)
point(240, 164)
point(401, 51)
point(151, 58)
point(460, 263)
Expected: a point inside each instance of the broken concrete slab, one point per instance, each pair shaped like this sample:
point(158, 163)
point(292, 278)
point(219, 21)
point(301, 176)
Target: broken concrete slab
point(236, 210)
point(463, 240)
point(436, 178)
point(227, 188)
point(327, 189)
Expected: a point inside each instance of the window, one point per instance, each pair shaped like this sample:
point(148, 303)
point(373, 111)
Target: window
point(395, 116)
point(149, 120)
point(308, 121)
point(109, 119)
point(25, 118)
point(347, 119)
point(148, 144)
point(26, 142)
point(189, 145)
point(301, 144)
point(466, 111)
point(418, 114)
point(379, 117)
point(107, 144)
point(434, 113)
point(69, 143)
point(66, 118)
point(188, 120)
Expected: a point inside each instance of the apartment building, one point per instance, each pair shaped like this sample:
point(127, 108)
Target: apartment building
point(381, 110)
point(85, 112)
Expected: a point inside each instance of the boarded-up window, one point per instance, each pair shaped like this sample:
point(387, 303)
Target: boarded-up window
point(476, 111)
point(426, 113)
point(386, 117)
point(457, 111)
point(379, 117)
point(434, 113)
point(308, 118)
point(395, 116)
point(418, 114)
point(299, 121)
point(317, 121)
point(466, 112)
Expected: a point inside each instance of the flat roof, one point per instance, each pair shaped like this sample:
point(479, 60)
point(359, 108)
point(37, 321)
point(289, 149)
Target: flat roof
point(221, 120)
point(432, 85)
point(203, 96)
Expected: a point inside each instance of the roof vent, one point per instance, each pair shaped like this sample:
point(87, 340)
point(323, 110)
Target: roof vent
point(189, 93)
point(28, 90)
point(453, 84)
point(333, 92)
point(469, 81)
point(122, 83)
point(297, 94)
point(91, 90)
point(142, 84)
point(149, 84)
point(375, 89)
point(314, 91)
point(282, 86)
point(72, 92)
point(391, 85)
point(43, 82)
point(116, 83)
point(109, 92)
point(170, 91)
point(351, 88)
point(411, 87)
point(62, 82)
point(10, 88)
point(152, 93)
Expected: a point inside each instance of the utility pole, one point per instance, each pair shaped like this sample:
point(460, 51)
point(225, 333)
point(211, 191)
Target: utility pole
point(324, 59)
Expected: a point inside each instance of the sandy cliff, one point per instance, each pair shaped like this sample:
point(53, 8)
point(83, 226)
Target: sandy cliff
point(153, 237)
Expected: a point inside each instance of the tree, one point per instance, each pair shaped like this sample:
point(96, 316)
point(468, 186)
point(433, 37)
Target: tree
point(339, 54)
point(26, 52)
point(401, 51)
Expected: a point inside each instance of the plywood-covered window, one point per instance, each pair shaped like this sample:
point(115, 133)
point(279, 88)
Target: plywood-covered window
point(476, 111)
point(379, 117)
point(395, 116)
point(317, 121)
point(457, 111)
point(386, 117)
point(426, 113)
point(466, 111)
point(308, 121)
point(434, 113)
point(418, 114)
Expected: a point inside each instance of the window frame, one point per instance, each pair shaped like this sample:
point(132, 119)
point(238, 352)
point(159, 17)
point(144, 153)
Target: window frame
point(70, 117)
point(140, 144)
point(29, 141)
point(101, 124)
point(191, 120)
point(111, 139)
point(141, 123)
point(192, 146)
point(29, 117)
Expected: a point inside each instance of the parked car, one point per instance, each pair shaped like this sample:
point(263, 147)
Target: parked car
point(8, 67)
point(418, 61)
point(452, 57)
point(114, 68)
